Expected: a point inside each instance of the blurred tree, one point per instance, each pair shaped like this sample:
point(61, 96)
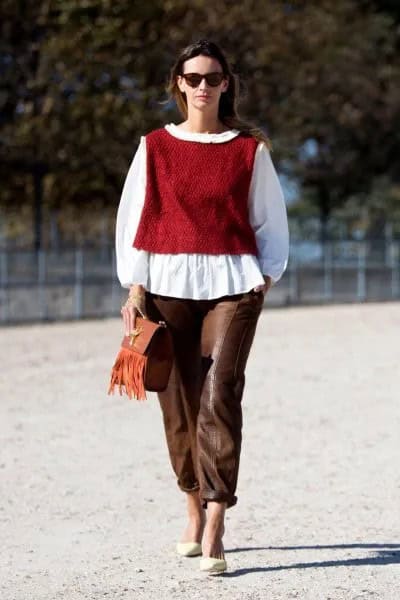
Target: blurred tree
point(23, 103)
point(83, 80)
point(331, 75)
point(392, 7)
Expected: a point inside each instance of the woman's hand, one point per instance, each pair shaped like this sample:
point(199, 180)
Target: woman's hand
point(264, 288)
point(136, 303)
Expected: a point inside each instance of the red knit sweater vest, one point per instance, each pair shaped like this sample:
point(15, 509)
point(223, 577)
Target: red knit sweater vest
point(197, 196)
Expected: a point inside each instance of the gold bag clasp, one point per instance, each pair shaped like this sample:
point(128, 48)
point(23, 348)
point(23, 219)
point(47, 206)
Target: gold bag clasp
point(134, 334)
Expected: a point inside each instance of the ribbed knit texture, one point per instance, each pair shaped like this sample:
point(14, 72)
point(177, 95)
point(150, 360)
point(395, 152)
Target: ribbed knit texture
point(197, 196)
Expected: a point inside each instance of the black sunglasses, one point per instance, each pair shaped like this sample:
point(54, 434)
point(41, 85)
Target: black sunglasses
point(194, 79)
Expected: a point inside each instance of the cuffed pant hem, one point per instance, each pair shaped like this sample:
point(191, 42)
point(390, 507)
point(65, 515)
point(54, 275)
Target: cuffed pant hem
point(218, 497)
point(194, 488)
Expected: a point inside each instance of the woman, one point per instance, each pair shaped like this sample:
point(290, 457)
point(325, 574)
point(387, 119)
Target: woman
point(201, 236)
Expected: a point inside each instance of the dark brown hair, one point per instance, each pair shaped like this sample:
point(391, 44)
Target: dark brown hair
point(227, 113)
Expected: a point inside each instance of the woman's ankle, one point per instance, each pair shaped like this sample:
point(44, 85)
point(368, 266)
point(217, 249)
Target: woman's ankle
point(216, 513)
point(195, 510)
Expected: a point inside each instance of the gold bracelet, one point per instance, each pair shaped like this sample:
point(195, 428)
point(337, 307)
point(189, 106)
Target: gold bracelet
point(129, 302)
point(132, 300)
point(139, 293)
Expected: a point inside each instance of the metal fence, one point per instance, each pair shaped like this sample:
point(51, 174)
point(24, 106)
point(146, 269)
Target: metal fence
point(82, 283)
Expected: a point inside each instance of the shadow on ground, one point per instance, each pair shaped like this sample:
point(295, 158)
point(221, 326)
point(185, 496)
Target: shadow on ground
point(380, 554)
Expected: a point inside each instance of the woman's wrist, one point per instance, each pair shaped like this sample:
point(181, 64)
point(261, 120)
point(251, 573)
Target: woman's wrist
point(136, 289)
point(136, 296)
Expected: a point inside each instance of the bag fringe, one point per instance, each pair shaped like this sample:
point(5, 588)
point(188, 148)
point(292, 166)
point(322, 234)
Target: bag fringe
point(128, 373)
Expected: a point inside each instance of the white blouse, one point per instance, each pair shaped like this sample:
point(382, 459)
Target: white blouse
point(204, 276)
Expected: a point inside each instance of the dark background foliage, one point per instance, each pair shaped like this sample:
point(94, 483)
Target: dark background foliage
point(81, 80)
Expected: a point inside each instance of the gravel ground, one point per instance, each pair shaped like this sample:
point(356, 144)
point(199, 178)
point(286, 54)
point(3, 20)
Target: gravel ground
point(89, 507)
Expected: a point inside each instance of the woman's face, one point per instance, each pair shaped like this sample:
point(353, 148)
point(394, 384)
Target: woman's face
point(203, 97)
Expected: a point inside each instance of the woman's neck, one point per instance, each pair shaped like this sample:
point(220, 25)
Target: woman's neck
point(203, 124)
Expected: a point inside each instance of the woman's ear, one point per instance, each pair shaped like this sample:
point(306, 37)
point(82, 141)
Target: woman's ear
point(180, 83)
point(225, 85)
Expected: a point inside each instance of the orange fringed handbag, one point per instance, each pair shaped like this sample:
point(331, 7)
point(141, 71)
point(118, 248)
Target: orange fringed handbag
point(144, 360)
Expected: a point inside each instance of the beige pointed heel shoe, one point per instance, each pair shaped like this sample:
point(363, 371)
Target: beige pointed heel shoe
point(213, 566)
point(188, 548)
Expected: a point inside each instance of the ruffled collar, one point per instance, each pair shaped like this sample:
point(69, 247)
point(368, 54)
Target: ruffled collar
point(206, 138)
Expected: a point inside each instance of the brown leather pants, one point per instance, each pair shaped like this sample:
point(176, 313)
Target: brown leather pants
point(202, 404)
